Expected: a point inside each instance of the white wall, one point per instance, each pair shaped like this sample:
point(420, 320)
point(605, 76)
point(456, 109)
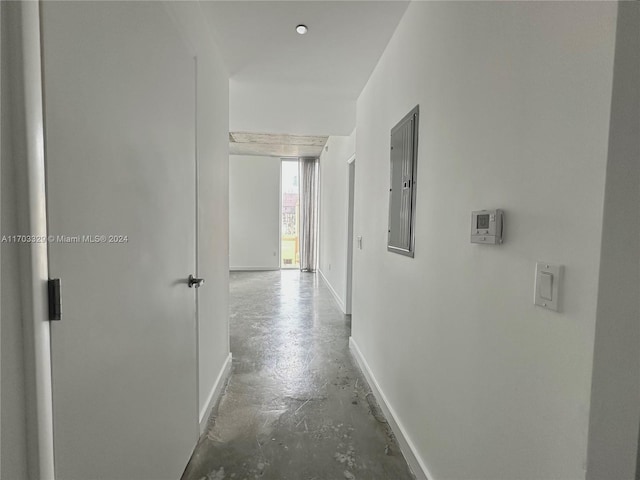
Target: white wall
point(334, 205)
point(213, 239)
point(254, 213)
point(514, 102)
point(13, 418)
point(213, 226)
point(213, 199)
point(615, 392)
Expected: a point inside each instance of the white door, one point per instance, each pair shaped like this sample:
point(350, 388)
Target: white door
point(120, 144)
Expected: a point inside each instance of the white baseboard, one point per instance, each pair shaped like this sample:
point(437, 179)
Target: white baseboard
point(215, 392)
point(333, 292)
point(253, 269)
point(409, 451)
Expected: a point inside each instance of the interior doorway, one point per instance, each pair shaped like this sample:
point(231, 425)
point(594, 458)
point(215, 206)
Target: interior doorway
point(350, 217)
point(290, 214)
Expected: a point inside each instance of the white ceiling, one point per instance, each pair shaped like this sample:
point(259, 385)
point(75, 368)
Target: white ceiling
point(345, 40)
point(294, 76)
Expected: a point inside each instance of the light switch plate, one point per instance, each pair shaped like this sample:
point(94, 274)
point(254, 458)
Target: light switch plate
point(547, 289)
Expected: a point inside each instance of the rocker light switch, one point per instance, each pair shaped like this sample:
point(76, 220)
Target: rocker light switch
point(546, 286)
point(547, 292)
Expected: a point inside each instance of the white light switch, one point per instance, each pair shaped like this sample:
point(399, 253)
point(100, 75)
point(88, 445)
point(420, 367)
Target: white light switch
point(359, 239)
point(546, 286)
point(547, 291)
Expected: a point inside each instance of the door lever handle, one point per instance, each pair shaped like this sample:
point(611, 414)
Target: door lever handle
point(195, 282)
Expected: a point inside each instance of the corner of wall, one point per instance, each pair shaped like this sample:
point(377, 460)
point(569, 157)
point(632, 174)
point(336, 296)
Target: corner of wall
point(214, 394)
point(336, 297)
point(615, 389)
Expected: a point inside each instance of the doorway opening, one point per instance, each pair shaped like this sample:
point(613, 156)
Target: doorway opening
point(350, 217)
point(290, 214)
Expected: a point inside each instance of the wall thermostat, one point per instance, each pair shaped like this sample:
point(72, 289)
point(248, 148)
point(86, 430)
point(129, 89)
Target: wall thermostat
point(487, 226)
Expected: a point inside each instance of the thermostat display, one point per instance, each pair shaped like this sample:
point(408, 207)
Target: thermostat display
point(487, 226)
point(483, 221)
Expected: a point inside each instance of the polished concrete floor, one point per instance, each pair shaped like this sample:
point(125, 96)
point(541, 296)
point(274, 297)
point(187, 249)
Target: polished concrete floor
point(296, 407)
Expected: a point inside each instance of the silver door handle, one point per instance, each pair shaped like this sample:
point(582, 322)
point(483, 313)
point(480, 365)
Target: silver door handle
point(195, 282)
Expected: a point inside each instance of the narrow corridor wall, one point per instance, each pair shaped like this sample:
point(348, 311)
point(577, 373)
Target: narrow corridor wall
point(514, 114)
point(213, 150)
point(213, 223)
point(334, 205)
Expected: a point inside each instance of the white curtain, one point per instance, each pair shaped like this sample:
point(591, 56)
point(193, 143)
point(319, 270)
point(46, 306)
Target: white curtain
point(308, 173)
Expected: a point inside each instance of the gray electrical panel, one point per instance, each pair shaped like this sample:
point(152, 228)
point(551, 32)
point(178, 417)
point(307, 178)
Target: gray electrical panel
point(402, 189)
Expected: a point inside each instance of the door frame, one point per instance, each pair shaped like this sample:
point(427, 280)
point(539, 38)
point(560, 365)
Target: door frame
point(351, 183)
point(23, 26)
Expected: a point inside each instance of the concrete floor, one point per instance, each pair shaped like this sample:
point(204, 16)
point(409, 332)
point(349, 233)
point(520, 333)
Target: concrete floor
point(296, 407)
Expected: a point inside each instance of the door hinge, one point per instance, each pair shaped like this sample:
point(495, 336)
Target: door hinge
point(55, 312)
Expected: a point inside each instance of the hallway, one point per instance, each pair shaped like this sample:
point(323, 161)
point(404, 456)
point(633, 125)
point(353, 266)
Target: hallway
point(296, 407)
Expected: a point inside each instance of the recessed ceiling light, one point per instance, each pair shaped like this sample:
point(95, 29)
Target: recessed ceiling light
point(302, 29)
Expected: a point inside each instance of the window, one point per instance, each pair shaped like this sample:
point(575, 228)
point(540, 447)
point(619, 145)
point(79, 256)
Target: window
point(402, 189)
point(290, 215)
